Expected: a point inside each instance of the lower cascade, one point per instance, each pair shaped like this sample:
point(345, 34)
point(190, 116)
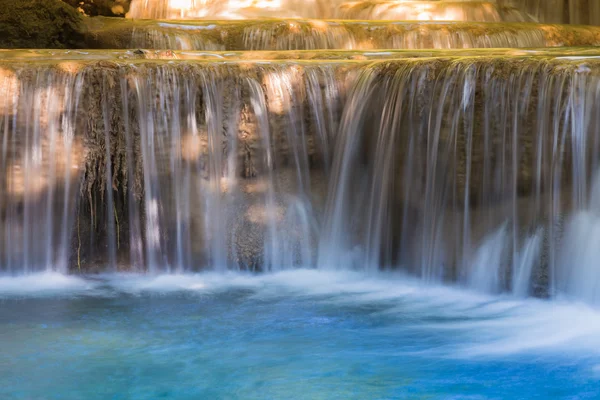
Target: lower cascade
point(473, 169)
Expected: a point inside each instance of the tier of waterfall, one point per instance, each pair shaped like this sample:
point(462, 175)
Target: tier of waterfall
point(420, 10)
point(546, 11)
point(270, 144)
point(454, 168)
point(335, 35)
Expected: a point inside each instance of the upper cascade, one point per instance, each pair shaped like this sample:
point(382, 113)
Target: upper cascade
point(299, 34)
point(231, 9)
point(416, 10)
point(481, 11)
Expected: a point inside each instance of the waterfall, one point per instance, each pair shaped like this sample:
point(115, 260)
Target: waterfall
point(40, 164)
point(165, 167)
point(246, 180)
point(270, 144)
point(453, 169)
point(346, 35)
point(546, 11)
point(485, 11)
point(302, 34)
point(227, 160)
point(231, 9)
point(187, 165)
point(419, 10)
point(465, 163)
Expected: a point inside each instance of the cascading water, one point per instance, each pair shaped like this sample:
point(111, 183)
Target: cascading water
point(465, 166)
point(344, 35)
point(313, 208)
point(417, 10)
point(184, 166)
point(550, 11)
point(41, 157)
point(467, 163)
point(227, 160)
point(231, 9)
point(488, 11)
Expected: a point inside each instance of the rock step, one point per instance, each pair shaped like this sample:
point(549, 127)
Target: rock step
point(288, 34)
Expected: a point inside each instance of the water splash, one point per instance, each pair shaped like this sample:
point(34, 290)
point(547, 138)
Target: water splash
point(577, 274)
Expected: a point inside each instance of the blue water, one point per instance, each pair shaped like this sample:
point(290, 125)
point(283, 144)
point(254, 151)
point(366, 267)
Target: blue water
point(292, 335)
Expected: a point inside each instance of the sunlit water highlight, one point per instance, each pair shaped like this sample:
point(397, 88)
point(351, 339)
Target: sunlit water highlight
point(318, 335)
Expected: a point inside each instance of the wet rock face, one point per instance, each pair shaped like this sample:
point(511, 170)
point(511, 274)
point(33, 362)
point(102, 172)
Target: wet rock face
point(40, 24)
point(107, 8)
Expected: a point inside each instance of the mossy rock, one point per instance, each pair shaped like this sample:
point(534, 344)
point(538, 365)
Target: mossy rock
point(106, 8)
point(40, 24)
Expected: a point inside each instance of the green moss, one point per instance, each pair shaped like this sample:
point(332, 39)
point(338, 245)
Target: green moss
point(40, 24)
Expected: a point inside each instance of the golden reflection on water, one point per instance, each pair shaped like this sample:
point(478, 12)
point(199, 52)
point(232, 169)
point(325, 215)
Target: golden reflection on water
point(420, 10)
point(231, 9)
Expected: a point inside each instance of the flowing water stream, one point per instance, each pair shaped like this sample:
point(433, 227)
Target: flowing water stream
point(251, 207)
point(463, 168)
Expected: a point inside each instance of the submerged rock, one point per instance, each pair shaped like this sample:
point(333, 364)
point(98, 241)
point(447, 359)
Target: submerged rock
point(40, 24)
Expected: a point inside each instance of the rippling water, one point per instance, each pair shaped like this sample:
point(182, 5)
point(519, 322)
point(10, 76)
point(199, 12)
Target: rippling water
point(302, 334)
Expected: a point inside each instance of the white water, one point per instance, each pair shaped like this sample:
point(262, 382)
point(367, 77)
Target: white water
point(482, 325)
point(44, 284)
point(40, 156)
point(228, 166)
point(382, 10)
point(578, 270)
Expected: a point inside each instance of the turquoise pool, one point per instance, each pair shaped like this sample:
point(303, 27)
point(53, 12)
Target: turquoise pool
point(292, 335)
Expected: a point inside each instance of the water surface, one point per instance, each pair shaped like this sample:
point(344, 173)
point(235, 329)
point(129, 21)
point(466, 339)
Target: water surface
point(301, 334)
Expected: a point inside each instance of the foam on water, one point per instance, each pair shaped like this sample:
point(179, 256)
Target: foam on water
point(535, 326)
point(484, 325)
point(204, 283)
point(479, 325)
point(43, 284)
